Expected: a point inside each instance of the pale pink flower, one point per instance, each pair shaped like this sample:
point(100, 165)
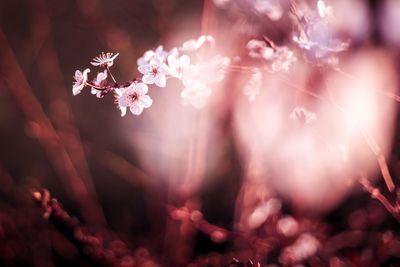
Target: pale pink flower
point(158, 53)
point(259, 49)
point(283, 58)
point(154, 72)
point(80, 81)
point(133, 97)
point(178, 64)
point(99, 81)
point(324, 10)
point(193, 44)
point(104, 59)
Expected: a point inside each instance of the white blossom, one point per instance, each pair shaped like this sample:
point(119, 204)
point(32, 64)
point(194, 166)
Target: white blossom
point(194, 44)
point(281, 57)
point(159, 53)
point(258, 49)
point(154, 72)
point(271, 8)
point(104, 59)
point(80, 81)
point(99, 81)
point(178, 64)
point(133, 97)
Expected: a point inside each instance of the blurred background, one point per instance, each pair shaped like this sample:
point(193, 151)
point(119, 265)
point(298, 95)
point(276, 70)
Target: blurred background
point(177, 186)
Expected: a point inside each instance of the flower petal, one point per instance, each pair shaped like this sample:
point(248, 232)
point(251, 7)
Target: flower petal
point(161, 80)
point(78, 75)
point(184, 61)
point(123, 111)
point(144, 69)
point(85, 73)
point(141, 88)
point(118, 91)
point(136, 109)
point(146, 101)
point(76, 89)
point(124, 100)
point(148, 78)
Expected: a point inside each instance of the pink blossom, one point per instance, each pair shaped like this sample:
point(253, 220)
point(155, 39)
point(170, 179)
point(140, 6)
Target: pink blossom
point(133, 97)
point(99, 81)
point(80, 81)
point(154, 72)
point(104, 59)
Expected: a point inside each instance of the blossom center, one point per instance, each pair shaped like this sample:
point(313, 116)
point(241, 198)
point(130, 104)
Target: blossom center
point(133, 97)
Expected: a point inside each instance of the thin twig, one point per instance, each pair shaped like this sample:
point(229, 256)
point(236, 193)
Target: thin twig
point(375, 193)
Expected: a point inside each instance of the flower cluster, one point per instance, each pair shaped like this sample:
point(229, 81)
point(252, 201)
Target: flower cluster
point(156, 66)
point(196, 75)
point(198, 70)
point(132, 95)
point(280, 57)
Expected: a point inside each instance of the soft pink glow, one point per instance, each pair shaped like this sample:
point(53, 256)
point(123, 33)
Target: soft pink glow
point(313, 164)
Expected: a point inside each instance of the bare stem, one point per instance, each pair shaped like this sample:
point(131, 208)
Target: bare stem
point(375, 193)
point(95, 86)
point(109, 73)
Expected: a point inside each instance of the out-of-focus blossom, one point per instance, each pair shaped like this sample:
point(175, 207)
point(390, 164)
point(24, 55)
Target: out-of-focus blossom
point(259, 49)
point(133, 97)
point(159, 54)
point(193, 44)
point(206, 72)
point(154, 72)
point(287, 226)
point(263, 211)
point(302, 115)
point(100, 81)
point(253, 86)
point(80, 81)
point(104, 59)
point(304, 247)
point(272, 8)
point(177, 64)
point(324, 10)
point(316, 32)
point(195, 94)
point(281, 57)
